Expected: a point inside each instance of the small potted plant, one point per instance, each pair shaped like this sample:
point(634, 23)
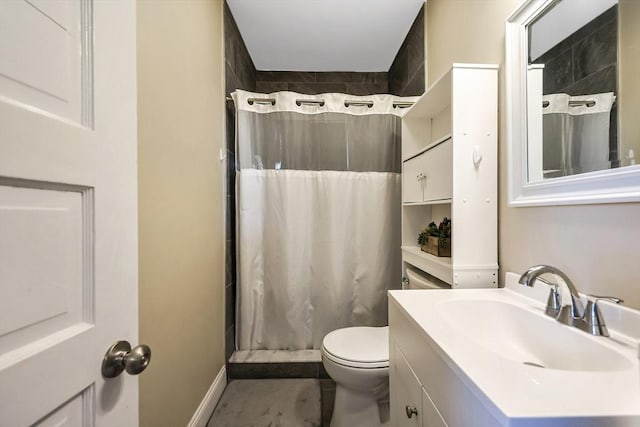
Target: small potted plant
point(436, 239)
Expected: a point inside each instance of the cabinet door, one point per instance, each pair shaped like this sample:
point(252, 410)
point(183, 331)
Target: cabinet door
point(438, 172)
point(430, 415)
point(407, 402)
point(411, 181)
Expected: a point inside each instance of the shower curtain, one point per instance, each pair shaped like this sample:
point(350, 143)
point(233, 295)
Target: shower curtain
point(318, 215)
point(576, 133)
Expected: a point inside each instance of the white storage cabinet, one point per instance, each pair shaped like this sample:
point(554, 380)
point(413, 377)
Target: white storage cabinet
point(450, 168)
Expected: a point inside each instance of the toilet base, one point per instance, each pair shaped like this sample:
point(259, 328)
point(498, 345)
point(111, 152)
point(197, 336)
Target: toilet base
point(355, 409)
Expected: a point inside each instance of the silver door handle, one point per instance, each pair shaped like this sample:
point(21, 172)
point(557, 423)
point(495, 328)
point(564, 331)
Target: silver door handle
point(121, 356)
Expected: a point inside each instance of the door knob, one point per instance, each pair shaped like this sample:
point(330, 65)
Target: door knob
point(121, 356)
point(410, 411)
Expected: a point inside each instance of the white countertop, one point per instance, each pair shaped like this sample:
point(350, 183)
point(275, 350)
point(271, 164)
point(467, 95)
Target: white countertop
point(515, 393)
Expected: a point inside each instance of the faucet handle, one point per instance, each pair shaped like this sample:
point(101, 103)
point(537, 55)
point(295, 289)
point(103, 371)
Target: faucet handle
point(592, 321)
point(553, 301)
point(596, 298)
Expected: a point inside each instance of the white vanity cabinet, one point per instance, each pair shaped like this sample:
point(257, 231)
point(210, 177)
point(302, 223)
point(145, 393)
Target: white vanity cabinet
point(464, 359)
point(412, 405)
point(408, 394)
point(450, 168)
point(430, 415)
point(420, 379)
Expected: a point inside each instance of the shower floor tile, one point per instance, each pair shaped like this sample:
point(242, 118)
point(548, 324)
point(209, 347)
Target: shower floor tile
point(269, 403)
point(275, 356)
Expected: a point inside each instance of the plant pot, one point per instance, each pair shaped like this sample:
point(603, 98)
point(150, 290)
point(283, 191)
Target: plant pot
point(437, 246)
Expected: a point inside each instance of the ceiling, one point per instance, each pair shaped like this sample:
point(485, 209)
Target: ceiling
point(562, 20)
point(324, 35)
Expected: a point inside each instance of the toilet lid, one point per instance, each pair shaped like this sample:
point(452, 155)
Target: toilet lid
point(361, 345)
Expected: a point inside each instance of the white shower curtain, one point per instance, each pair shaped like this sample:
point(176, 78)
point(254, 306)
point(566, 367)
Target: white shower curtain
point(318, 209)
point(318, 252)
point(576, 133)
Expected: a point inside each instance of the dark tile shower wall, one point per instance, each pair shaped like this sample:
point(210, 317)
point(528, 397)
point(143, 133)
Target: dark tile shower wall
point(240, 73)
point(585, 63)
point(313, 83)
point(406, 75)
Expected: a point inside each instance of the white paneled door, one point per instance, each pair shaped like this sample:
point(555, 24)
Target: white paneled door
point(68, 220)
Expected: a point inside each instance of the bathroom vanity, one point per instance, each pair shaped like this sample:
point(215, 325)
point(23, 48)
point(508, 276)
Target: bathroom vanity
point(491, 357)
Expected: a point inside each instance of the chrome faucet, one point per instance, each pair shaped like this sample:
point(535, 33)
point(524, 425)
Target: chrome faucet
point(557, 305)
point(571, 313)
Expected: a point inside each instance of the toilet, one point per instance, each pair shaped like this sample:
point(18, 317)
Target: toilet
point(357, 359)
point(416, 279)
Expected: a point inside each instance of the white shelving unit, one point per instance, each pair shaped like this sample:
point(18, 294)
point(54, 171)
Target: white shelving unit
point(450, 168)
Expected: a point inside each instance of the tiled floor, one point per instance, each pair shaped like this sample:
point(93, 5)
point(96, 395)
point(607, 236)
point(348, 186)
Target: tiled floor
point(274, 403)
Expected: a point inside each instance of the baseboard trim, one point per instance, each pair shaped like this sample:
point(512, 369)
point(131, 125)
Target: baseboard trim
point(208, 404)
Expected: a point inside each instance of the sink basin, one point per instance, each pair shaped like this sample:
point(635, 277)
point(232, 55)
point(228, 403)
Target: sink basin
point(527, 336)
point(514, 362)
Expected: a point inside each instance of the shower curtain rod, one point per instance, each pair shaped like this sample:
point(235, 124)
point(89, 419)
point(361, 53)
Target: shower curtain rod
point(321, 102)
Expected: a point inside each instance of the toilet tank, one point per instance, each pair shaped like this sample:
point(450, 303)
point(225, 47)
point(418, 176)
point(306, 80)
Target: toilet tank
point(417, 279)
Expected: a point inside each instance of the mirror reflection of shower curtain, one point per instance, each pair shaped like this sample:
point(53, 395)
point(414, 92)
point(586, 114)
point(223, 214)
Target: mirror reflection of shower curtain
point(576, 133)
point(318, 217)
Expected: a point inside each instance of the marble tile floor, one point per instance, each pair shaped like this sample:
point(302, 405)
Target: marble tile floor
point(275, 403)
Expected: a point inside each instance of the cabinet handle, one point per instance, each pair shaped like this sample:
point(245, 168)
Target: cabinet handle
point(410, 411)
point(477, 156)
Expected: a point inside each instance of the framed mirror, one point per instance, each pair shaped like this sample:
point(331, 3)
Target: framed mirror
point(573, 102)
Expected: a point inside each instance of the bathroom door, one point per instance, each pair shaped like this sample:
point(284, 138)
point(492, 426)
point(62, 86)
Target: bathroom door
point(68, 226)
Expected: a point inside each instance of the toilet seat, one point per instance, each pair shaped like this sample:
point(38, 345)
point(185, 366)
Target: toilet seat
point(358, 347)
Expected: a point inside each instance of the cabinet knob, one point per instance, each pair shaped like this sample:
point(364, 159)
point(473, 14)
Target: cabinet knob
point(410, 411)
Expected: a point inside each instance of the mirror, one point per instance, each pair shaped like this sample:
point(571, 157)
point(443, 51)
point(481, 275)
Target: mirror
point(573, 102)
point(575, 50)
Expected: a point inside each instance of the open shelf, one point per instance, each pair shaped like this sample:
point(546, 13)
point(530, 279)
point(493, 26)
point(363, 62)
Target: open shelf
point(428, 147)
point(439, 267)
point(428, 202)
point(435, 98)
